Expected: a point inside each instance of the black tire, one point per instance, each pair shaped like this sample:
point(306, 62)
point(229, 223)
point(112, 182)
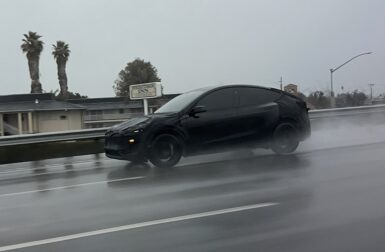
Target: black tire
point(166, 151)
point(284, 139)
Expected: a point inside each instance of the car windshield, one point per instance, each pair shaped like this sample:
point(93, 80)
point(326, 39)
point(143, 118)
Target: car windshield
point(180, 102)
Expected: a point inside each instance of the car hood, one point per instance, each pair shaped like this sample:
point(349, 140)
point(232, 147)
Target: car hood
point(140, 122)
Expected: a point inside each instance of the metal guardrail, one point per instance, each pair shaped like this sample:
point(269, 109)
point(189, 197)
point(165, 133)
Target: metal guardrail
point(59, 136)
point(98, 133)
point(348, 111)
point(101, 117)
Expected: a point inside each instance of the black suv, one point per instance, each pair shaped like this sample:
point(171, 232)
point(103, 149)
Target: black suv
point(212, 119)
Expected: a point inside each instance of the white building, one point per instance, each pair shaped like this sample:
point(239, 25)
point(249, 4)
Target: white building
point(37, 113)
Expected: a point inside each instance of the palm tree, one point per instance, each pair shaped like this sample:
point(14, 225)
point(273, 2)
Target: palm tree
point(32, 46)
point(61, 54)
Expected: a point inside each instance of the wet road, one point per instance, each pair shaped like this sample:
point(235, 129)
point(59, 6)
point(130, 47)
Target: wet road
point(329, 198)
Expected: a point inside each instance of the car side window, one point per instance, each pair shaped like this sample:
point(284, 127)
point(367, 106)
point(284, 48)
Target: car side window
point(256, 96)
point(219, 99)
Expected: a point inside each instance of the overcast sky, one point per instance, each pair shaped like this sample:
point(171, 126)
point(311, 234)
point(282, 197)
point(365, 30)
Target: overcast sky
point(198, 43)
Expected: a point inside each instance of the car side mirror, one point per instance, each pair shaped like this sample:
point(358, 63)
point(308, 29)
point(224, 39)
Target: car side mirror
point(197, 110)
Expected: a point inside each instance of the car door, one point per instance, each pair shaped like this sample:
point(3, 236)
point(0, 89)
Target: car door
point(256, 111)
point(214, 127)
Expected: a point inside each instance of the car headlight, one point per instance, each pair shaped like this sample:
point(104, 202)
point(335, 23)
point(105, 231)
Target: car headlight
point(137, 130)
point(133, 131)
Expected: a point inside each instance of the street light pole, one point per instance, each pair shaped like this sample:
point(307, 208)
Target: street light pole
point(332, 70)
point(371, 92)
point(332, 100)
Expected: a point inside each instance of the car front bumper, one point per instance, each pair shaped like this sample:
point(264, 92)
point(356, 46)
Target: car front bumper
point(124, 147)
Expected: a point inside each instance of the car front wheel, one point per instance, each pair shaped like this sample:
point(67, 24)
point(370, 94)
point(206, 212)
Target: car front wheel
point(284, 139)
point(166, 151)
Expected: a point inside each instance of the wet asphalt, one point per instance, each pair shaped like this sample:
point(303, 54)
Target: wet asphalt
point(325, 199)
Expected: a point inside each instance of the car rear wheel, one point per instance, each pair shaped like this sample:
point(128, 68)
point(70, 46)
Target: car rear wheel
point(284, 139)
point(166, 151)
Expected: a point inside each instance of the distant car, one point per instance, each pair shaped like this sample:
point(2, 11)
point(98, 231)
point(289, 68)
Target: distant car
point(212, 119)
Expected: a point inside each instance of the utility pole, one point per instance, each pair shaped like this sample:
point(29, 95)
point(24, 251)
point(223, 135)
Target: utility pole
point(281, 85)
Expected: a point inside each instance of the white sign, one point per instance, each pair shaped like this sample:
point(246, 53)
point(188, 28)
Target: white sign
point(145, 91)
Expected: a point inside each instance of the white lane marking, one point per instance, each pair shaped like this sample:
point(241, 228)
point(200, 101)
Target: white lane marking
point(70, 186)
point(135, 226)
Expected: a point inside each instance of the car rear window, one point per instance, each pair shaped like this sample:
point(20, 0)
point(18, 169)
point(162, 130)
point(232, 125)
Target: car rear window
point(256, 96)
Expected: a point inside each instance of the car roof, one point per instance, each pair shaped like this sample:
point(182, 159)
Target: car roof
point(208, 89)
point(212, 88)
